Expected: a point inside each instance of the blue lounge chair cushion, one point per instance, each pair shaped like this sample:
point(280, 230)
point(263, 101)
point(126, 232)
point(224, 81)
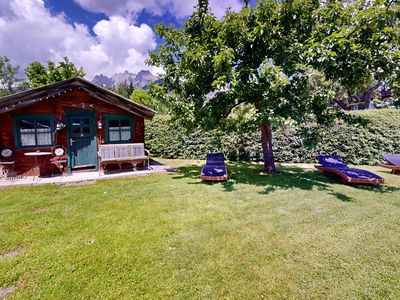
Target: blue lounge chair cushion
point(215, 159)
point(332, 161)
point(214, 170)
point(336, 163)
point(394, 159)
point(358, 173)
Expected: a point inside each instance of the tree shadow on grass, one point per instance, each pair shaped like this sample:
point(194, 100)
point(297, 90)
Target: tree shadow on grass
point(341, 196)
point(287, 177)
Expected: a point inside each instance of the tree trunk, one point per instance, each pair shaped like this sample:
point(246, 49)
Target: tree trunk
point(268, 154)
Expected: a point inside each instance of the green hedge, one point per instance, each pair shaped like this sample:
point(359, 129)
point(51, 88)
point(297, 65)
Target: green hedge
point(354, 143)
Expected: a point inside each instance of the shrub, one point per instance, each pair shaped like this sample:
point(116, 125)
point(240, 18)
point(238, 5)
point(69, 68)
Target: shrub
point(356, 144)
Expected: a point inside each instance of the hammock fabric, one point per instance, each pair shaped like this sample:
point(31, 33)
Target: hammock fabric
point(215, 168)
point(335, 165)
point(394, 162)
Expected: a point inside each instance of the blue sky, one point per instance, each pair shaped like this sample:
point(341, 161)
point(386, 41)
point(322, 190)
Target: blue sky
point(76, 14)
point(102, 36)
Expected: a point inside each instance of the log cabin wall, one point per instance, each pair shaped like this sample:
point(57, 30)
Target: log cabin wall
point(71, 100)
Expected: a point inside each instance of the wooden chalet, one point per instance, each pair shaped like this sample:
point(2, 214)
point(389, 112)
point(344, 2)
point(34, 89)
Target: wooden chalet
point(75, 115)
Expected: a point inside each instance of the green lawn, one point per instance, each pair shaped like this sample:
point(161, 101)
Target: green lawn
point(296, 235)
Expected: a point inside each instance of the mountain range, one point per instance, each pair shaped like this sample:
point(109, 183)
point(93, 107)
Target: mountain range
point(140, 80)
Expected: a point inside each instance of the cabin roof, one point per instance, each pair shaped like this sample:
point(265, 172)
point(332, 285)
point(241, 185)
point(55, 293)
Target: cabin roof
point(47, 92)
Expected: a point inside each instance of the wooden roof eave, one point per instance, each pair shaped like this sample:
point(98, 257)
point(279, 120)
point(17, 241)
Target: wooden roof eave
point(124, 107)
point(129, 106)
point(26, 98)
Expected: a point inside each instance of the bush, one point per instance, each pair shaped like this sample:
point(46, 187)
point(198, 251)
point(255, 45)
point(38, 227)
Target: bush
point(356, 144)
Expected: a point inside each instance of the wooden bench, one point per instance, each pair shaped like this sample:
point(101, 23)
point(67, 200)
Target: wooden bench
point(123, 153)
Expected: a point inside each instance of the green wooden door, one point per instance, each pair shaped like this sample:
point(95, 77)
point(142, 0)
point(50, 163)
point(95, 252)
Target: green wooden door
point(82, 140)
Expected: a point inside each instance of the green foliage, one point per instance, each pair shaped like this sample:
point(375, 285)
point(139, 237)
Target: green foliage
point(256, 57)
point(357, 43)
point(39, 75)
point(9, 83)
point(264, 56)
point(357, 46)
point(359, 143)
point(146, 98)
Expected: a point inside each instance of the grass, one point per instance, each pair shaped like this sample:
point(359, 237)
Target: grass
point(292, 235)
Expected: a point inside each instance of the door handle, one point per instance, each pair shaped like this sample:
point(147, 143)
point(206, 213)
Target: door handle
point(71, 142)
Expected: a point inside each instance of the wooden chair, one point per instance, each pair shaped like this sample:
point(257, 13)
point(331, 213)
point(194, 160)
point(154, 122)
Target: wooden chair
point(394, 163)
point(59, 159)
point(7, 162)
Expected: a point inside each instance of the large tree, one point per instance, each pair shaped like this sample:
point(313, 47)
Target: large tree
point(9, 82)
point(39, 74)
point(265, 57)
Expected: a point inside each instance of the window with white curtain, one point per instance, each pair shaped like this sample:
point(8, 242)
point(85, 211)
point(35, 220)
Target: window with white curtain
point(119, 129)
point(34, 131)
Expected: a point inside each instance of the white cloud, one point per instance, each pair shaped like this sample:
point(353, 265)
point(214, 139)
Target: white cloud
point(218, 7)
point(29, 32)
point(178, 8)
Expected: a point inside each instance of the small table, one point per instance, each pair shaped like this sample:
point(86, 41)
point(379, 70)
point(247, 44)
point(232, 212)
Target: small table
point(37, 154)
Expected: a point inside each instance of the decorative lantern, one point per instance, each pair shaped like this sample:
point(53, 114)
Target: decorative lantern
point(100, 124)
point(60, 125)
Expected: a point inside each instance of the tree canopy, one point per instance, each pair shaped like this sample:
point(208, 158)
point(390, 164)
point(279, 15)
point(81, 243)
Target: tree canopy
point(144, 97)
point(262, 59)
point(39, 74)
point(9, 83)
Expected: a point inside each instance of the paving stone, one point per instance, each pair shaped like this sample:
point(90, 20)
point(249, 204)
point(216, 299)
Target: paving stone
point(85, 178)
point(7, 291)
point(12, 253)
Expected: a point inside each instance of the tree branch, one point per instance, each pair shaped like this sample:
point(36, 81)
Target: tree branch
point(233, 107)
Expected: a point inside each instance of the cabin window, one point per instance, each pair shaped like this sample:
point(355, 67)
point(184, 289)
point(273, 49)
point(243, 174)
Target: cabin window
point(119, 129)
point(34, 130)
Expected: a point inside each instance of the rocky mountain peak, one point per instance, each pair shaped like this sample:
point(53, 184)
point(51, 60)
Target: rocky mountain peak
point(102, 80)
point(139, 80)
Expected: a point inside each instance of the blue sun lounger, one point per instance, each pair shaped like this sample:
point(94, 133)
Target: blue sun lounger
point(394, 162)
point(335, 165)
point(215, 168)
